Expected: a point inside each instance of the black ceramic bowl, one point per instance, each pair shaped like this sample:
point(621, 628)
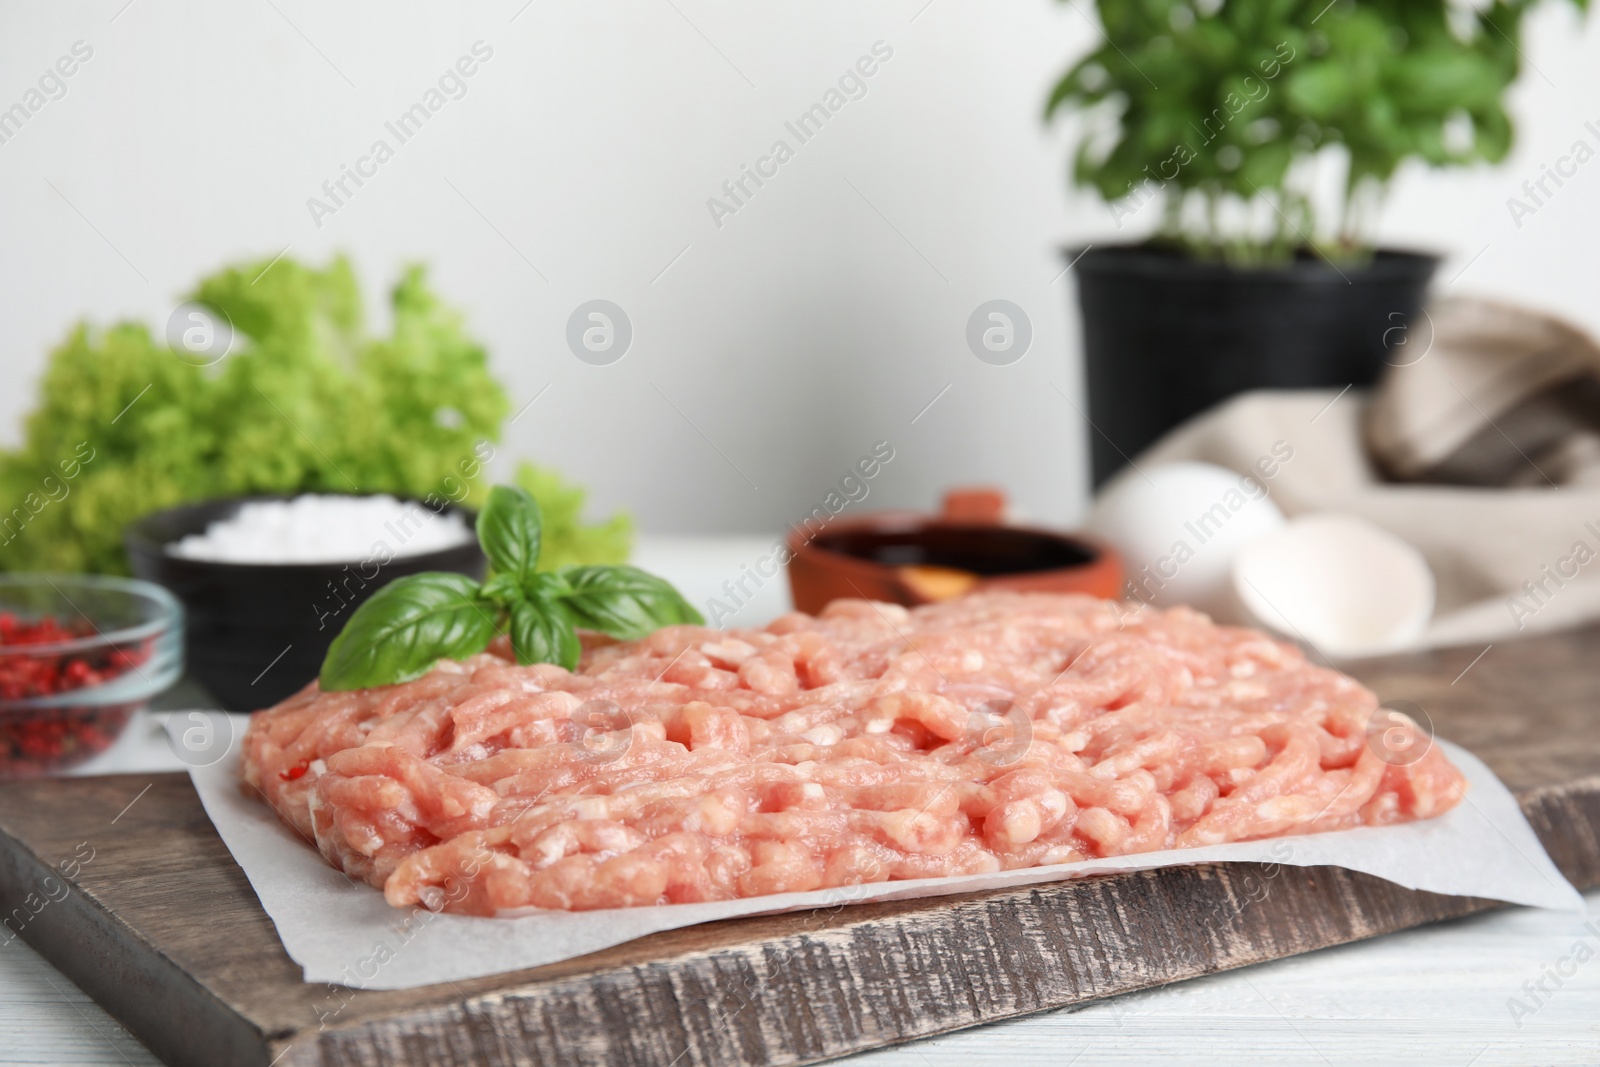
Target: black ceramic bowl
point(257, 632)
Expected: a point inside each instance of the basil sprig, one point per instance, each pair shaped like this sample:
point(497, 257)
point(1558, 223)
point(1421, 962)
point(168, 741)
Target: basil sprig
point(410, 624)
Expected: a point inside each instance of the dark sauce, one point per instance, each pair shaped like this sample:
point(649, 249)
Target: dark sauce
point(985, 550)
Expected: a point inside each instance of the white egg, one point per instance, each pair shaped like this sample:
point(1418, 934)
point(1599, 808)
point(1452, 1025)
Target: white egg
point(1178, 527)
point(1339, 583)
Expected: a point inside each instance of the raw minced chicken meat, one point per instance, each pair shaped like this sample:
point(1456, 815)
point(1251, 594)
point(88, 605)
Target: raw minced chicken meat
point(865, 744)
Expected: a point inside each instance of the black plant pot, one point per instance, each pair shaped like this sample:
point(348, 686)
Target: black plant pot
point(258, 632)
point(1165, 336)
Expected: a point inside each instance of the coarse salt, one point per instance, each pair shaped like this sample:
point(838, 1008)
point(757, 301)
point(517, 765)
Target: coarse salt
point(316, 528)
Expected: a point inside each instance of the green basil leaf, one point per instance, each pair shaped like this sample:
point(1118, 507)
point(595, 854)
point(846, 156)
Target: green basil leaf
point(503, 589)
point(407, 627)
point(624, 602)
point(547, 587)
point(541, 632)
point(508, 530)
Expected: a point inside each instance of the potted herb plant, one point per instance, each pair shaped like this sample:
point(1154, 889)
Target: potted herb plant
point(1214, 123)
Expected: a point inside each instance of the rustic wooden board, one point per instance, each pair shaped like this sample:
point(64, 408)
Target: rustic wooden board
point(162, 928)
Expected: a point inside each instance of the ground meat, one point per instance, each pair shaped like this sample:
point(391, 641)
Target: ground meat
point(867, 744)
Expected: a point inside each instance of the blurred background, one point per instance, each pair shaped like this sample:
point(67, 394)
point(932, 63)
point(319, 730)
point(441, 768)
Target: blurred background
point(769, 351)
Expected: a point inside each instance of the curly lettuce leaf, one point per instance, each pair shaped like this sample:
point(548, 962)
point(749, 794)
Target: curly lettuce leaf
point(568, 541)
point(304, 401)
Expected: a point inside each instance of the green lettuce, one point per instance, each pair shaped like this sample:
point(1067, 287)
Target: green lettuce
point(306, 400)
point(567, 541)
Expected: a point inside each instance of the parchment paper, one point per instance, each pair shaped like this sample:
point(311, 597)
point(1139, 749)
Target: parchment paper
point(343, 933)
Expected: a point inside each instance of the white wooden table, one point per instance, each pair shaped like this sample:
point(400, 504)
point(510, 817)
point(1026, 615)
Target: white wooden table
point(1439, 995)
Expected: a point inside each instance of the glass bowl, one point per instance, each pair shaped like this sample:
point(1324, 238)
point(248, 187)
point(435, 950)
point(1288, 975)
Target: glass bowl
point(79, 654)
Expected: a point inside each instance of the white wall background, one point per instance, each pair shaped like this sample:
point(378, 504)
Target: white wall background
point(824, 316)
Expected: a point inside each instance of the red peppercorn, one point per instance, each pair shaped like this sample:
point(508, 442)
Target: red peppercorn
point(32, 740)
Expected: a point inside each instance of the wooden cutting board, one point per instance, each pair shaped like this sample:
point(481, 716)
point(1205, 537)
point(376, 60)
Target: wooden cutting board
point(161, 927)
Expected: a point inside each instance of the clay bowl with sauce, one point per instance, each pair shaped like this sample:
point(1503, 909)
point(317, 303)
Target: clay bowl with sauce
point(911, 558)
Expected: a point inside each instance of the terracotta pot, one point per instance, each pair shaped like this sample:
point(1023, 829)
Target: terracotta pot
point(911, 558)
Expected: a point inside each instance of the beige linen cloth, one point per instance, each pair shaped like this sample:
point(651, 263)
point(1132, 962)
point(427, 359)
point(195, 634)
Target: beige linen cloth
point(1494, 399)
